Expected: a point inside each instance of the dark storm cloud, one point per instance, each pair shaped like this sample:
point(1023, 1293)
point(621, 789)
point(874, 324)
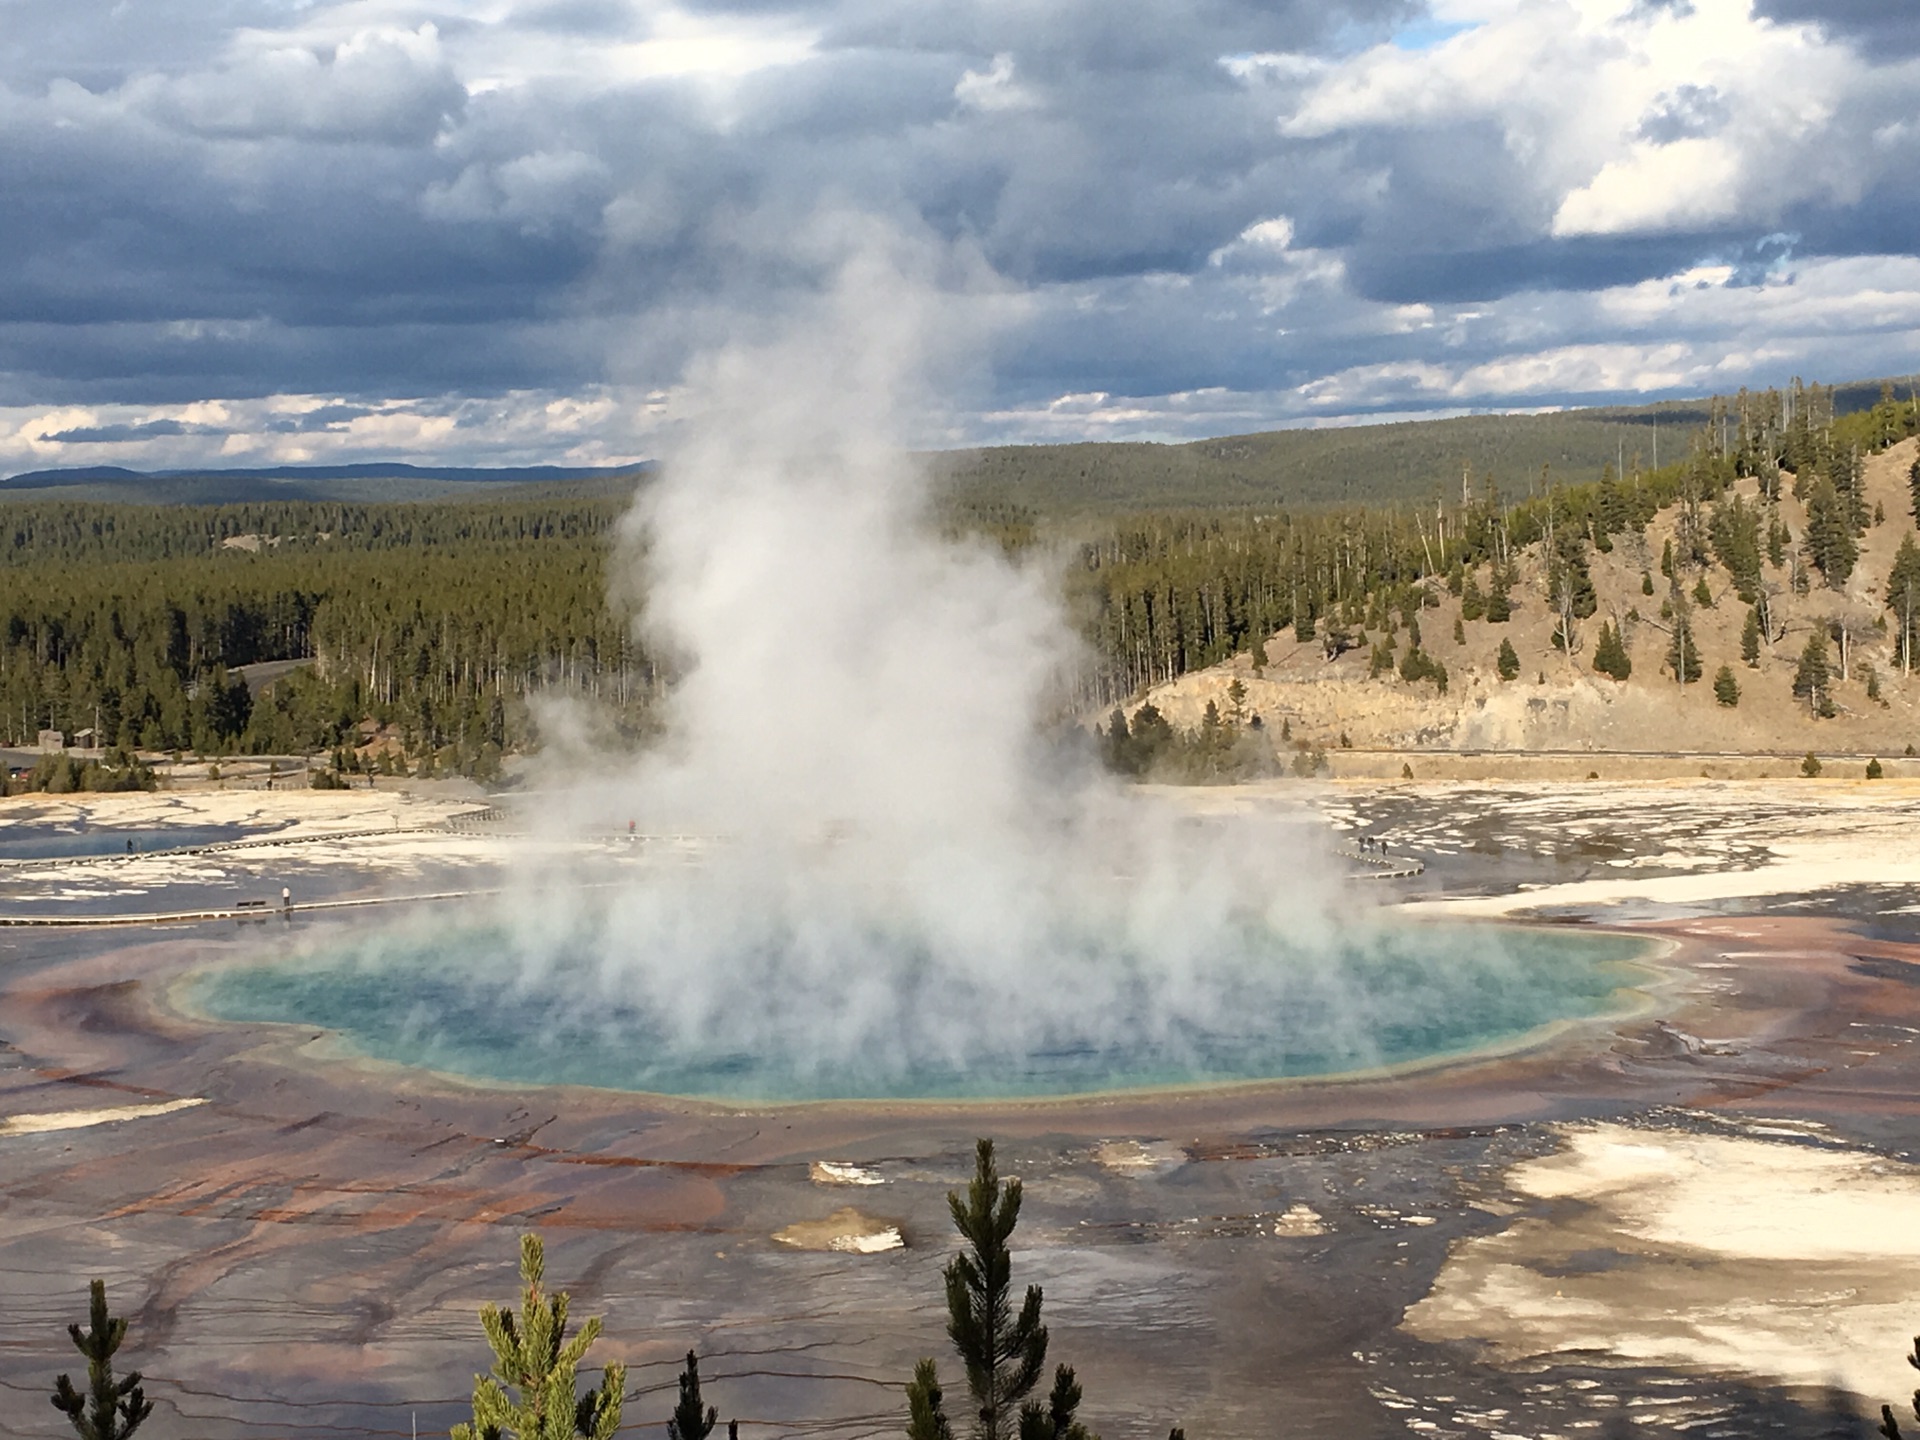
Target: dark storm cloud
point(1886, 221)
point(98, 45)
point(263, 195)
point(1105, 37)
point(113, 434)
point(1880, 28)
point(244, 198)
point(322, 418)
point(1489, 272)
point(1452, 214)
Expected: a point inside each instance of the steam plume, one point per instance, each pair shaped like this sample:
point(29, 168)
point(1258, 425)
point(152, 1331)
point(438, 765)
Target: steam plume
point(895, 887)
point(900, 875)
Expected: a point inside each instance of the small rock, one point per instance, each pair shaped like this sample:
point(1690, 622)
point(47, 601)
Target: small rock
point(1301, 1220)
point(838, 1172)
point(846, 1231)
point(1130, 1157)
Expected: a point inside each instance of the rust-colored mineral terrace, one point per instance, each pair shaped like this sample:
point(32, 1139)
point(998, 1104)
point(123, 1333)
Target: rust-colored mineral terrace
point(302, 1239)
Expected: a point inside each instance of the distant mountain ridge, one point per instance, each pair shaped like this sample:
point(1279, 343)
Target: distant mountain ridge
point(1334, 466)
point(363, 482)
point(1371, 463)
point(375, 470)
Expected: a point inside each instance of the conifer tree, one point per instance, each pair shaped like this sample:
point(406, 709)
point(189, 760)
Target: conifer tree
point(1135, 749)
point(1570, 586)
point(1735, 531)
point(1116, 743)
point(689, 1420)
point(1750, 639)
point(1913, 489)
point(1473, 603)
point(1508, 660)
point(1726, 689)
point(1813, 676)
point(1236, 702)
point(1003, 1353)
point(1846, 475)
point(1829, 540)
point(1056, 1420)
point(1610, 655)
point(1499, 600)
point(1903, 599)
point(1213, 742)
point(926, 1415)
point(1683, 655)
point(1416, 665)
point(530, 1394)
point(111, 1409)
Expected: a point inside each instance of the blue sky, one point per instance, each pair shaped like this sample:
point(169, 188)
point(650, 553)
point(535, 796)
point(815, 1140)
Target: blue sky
point(240, 231)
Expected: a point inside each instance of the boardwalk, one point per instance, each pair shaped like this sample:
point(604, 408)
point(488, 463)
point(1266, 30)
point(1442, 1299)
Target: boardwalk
point(1381, 867)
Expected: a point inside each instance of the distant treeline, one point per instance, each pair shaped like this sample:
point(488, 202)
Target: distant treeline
point(439, 620)
point(1343, 467)
point(40, 532)
point(442, 620)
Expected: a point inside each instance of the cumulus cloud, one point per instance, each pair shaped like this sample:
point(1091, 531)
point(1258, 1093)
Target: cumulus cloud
point(1547, 124)
point(1689, 112)
point(538, 191)
point(600, 426)
point(389, 86)
point(994, 88)
point(1234, 212)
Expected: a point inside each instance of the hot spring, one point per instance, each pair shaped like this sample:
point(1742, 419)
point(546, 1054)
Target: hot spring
point(476, 1002)
point(918, 884)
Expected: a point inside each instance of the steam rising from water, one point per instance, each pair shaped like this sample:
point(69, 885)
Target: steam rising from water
point(898, 889)
point(901, 870)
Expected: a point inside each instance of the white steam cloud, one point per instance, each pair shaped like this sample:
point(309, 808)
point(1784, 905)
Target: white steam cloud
point(901, 873)
point(893, 883)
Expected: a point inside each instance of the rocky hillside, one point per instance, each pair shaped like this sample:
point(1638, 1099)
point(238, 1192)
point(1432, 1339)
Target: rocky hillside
point(1557, 701)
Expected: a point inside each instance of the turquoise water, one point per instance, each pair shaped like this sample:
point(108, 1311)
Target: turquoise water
point(472, 1002)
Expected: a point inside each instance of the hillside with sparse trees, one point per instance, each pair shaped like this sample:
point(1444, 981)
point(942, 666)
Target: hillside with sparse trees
point(1763, 595)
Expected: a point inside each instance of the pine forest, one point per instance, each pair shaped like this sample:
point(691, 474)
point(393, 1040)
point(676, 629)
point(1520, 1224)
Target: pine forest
point(436, 623)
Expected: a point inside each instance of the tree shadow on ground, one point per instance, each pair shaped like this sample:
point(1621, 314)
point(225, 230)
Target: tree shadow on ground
point(1431, 1397)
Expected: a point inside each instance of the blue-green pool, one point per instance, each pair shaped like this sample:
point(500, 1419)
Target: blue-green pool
point(887, 1022)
